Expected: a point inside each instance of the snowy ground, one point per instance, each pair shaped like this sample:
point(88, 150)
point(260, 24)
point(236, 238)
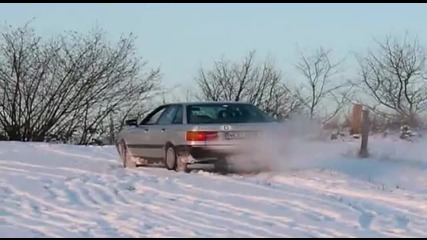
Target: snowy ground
point(71, 191)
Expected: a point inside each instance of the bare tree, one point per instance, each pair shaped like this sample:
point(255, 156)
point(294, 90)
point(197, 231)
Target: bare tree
point(320, 85)
point(68, 85)
point(393, 76)
point(259, 84)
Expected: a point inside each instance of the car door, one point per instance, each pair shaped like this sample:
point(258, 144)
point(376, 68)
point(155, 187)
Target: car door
point(140, 140)
point(173, 129)
point(159, 136)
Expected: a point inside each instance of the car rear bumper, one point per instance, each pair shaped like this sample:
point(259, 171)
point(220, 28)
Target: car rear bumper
point(227, 157)
point(213, 154)
point(217, 151)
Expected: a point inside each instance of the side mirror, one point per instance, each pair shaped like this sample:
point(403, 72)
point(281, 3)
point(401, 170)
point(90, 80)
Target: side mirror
point(131, 122)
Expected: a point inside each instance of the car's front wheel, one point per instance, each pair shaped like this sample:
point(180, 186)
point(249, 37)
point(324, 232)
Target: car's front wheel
point(126, 156)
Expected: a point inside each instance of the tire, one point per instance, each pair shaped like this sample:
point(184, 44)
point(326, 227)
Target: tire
point(126, 156)
point(221, 166)
point(173, 162)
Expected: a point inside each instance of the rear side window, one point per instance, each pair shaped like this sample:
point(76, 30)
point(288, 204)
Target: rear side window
point(225, 113)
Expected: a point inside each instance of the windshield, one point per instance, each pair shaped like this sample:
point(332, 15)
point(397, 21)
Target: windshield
point(225, 113)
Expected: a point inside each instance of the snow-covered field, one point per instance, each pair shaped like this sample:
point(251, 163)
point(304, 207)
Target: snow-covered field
point(321, 191)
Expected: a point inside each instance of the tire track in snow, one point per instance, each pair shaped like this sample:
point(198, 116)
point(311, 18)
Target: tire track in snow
point(37, 216)
point(87, 191)
point(82, 219)
point(208, 204)
point(369, 210)
point(257, 218)
point(281, 204)
point(162, 195)
point(158, 212)
point(365, 218)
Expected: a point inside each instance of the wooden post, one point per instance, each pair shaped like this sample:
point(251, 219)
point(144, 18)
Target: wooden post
point(365, 133)
point(356, 119)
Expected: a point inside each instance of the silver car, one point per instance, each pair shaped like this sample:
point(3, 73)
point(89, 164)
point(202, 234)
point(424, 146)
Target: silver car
point(184, 135)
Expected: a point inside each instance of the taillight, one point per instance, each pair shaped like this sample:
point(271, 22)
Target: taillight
point(201, 136)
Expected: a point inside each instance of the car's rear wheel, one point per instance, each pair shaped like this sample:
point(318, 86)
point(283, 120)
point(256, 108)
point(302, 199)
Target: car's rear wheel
point(173, 162)
point(221, 166)
point(126, 156)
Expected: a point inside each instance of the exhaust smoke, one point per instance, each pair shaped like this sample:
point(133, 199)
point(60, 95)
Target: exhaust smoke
point(296, 143)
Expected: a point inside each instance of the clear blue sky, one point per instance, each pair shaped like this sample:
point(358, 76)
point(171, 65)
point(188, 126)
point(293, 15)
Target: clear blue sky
point(182, 37)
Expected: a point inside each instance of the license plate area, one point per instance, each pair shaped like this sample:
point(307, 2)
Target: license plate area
point(235, 135)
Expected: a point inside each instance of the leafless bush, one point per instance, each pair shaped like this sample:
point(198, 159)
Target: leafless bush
point(323, 94)
point(394, 76)
point(69, 86)
point(257, 83)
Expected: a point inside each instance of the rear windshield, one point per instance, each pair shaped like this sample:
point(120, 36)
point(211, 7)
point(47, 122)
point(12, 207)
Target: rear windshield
point(225, 113)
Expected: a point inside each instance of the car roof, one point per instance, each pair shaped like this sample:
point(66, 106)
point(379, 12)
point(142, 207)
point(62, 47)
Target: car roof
point(207, 102)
